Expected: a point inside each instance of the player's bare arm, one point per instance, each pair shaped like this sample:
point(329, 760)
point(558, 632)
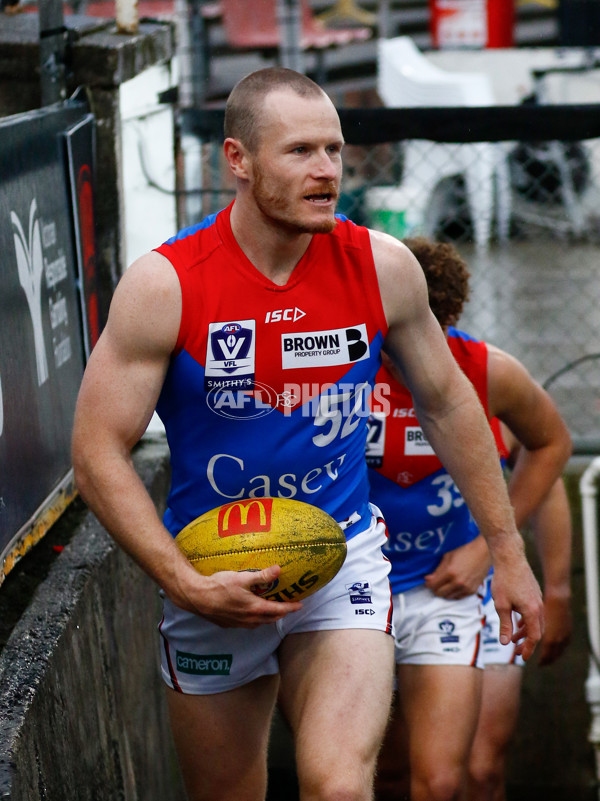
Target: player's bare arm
point(531, 416)
point(118, 394)
point(532, 419)
point(550, 525)
point(454, 422)
point(551, 528)
point(446, 403)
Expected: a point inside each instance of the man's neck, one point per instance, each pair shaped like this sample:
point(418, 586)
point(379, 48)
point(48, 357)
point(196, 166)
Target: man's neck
point(272, 249)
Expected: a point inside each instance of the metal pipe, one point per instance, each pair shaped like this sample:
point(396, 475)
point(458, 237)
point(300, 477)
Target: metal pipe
point(383, 20)
point(589, 508)
point(185, 55)
point(589, 494)
point(190, 90)
point(289, 17)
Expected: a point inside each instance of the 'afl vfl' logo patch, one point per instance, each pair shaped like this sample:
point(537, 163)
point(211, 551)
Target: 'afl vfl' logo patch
point(230, 359)
point(375, 439)
point(324, 348)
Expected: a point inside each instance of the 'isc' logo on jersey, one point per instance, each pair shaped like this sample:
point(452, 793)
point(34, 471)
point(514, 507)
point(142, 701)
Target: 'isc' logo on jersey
point(323, 348)
point(230, 361)
point(284, 315)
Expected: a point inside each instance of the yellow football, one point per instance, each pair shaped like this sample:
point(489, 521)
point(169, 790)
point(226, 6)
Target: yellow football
point(255, 533)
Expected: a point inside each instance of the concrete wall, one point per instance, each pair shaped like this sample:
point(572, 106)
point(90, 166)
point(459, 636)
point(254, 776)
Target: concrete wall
point(82, 712)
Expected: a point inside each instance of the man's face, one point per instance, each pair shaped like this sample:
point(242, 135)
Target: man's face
point(297, 168)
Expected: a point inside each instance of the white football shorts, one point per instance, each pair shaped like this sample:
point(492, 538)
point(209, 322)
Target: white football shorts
point(492, 650)
point(436, 631)
point(201, 658)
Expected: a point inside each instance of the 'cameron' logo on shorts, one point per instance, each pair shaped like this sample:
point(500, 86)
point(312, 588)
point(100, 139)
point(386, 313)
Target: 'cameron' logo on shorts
point(447, 628)
point(203, 664)
point(322, 348)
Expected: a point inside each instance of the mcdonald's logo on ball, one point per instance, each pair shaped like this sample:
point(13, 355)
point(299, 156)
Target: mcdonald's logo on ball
point(255, 533)
point(251, 515)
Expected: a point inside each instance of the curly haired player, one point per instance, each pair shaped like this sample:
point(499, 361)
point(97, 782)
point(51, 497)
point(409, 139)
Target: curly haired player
point(439, 561)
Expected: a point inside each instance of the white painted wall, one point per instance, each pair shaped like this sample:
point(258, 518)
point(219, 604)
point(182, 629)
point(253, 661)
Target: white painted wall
point(147, 132)
point(148, 152)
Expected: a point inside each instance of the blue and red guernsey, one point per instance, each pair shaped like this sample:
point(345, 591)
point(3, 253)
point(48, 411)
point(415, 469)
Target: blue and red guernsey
point(267, 390)
point(425, 514)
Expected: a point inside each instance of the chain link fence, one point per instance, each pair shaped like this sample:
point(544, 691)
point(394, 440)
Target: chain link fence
point(518, 192)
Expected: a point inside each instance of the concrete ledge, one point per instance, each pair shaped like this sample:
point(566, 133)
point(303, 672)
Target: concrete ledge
point(82, 713)
point(108, 59)
point(97, 54)
point(98, 57)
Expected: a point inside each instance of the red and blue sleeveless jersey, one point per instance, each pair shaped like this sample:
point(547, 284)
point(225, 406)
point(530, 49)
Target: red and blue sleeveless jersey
point(266, 394)
point(425, 514)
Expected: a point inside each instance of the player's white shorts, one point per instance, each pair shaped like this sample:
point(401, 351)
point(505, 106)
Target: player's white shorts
point(436, 631)
point(492, 650)
point(201, 658)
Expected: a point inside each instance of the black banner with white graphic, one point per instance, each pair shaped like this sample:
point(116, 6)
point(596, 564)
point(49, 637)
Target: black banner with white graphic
point(41, 343)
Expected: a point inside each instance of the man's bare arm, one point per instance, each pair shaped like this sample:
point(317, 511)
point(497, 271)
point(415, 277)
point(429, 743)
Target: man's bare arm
point(118, 394)
point(533, 420)
point(455, 424)
point(550, 525)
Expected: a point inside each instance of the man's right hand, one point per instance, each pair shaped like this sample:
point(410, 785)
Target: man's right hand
point(228, 600)
point(460, 571)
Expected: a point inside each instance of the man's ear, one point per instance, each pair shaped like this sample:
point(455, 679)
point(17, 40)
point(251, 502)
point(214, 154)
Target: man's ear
point(237, 157)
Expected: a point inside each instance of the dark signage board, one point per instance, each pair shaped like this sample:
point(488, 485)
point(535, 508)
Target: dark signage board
point(79, 142)
point(42, 347)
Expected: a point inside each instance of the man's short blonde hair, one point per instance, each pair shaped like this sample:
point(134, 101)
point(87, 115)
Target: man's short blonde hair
point(243, 111)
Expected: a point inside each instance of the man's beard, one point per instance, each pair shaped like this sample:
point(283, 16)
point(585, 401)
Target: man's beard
point(277, 206)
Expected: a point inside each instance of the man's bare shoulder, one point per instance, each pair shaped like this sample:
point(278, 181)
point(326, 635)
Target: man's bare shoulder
point(510, 385)
point(146, 305)
point(505, 368)
point(152, 271)
point(401, 279)
point(389, 251)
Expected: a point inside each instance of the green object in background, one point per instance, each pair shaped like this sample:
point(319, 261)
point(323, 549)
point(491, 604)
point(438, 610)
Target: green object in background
point(351, 205)
point(391, 222)
point(395, 210)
